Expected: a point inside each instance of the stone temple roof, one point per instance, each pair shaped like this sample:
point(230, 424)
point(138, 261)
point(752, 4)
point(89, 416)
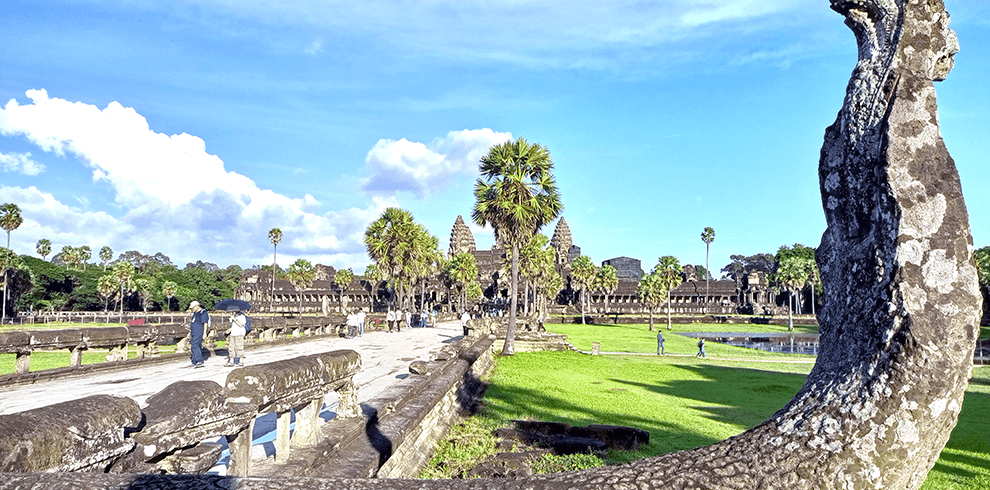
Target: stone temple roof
point(461, 238)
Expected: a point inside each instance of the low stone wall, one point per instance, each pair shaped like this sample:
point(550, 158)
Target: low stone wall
point(146, 337)
point(111, 434)
point(530, 335)
point(395, 435)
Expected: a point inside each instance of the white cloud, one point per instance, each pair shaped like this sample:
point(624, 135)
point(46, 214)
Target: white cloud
point(315, 47)
point(21, 163)
point(175, 197)
point(418, 168)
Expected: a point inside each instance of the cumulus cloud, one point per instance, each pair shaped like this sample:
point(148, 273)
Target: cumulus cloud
point(175, 197)
point(20, 163)
point(419, 168)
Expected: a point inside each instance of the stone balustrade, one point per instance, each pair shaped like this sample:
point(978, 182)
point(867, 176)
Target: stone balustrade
point(146, 337)
point(106, 433)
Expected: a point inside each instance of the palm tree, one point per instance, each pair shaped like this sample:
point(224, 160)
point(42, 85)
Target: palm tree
point(791, 275)
point(275, 236)
point(168, 289)
point(584, 272)
point(651, 291)
point(8, 260)
point(343, 278)
point(105, 288)
point(301, 274)
point(123, 271)
point(707, 236)
point(462, 270)
point(44, 248)
point(606, 281)
point(516, 194)
point(402, 248)
point(85, 253)
point(669, 269)
point(106, 253)
point(10, 218)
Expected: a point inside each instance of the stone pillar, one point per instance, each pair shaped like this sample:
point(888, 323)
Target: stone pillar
point(348, 405)
point(307, 423)
point(22, 363)
point(240, 452)
point(75, 357)
point(139, 350)
point(282, 436)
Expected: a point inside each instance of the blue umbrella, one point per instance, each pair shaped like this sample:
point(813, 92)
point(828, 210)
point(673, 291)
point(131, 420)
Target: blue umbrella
point(232, 305)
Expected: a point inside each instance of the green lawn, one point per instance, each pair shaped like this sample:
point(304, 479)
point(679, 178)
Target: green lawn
point(42, 360)
point(635, 338)
point(685, 402)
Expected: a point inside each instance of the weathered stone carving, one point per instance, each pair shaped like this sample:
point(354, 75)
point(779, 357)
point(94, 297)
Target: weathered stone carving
point(79, 435)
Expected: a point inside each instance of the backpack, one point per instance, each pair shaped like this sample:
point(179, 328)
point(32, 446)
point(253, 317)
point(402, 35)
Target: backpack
point(247, 324)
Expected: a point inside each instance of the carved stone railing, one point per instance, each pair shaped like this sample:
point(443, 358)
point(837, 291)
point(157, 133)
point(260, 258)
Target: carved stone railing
point(111, 433)
point(146, 337)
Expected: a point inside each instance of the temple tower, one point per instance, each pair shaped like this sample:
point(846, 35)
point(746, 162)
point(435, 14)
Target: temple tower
point(461, 238)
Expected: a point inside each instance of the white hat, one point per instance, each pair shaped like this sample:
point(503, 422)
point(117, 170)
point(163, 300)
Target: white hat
point(195, 303)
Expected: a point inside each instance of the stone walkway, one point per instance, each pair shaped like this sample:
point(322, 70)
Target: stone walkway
point(384, 358)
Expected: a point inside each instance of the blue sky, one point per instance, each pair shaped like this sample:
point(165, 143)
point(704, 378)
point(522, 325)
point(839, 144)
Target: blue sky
point(192, 127)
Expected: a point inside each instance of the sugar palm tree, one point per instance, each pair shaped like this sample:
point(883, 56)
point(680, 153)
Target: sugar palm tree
point(10, 219)
point(606, 281)
point(651, 292)
point(669, 269)
point(106, 254)
point(44, 248)
point(516, 194)
point(8, 260)
point(583, 271)
point(169, 289)
point(274, 236)
point(342, 278)
point(123, 271)
point(106, 286)
point(301, 274)
point(391, 241)
point(707, 236)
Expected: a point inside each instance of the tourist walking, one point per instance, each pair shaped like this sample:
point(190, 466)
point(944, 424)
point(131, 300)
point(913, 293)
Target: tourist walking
point(390, 319)
point(701, 348)
point(197, 324)
point(408, 315)
point(361, 315)
point(235, 339)
point(464, 322)
point(660, 350)
point(352, 324)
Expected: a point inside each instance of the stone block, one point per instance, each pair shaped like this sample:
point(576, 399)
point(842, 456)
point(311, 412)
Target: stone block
point(78, 435)
point(281, 385)
point(55, 339)
point(103, 337)
point(14, 342)
point(187, 412)
point(419, 367)
point(195, 460)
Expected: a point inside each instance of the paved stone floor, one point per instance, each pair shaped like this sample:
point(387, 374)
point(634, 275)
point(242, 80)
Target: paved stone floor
point(385, 357)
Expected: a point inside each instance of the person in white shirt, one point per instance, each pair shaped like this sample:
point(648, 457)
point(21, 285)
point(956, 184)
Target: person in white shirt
point(360, 319)
point(235, 339)
point(464, 322)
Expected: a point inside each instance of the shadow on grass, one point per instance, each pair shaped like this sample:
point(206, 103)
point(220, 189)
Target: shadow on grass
point(743, 397)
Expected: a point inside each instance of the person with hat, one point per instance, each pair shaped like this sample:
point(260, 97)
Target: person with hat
point(200, 318)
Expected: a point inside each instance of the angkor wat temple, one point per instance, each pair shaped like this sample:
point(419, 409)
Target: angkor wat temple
point(750, 294)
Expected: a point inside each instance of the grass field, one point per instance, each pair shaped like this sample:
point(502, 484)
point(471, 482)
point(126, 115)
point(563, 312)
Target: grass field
point(684, 402)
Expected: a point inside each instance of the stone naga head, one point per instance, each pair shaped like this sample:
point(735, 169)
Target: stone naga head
point(878, 26)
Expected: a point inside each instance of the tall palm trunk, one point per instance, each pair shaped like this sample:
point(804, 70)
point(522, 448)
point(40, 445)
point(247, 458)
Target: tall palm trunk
point(668, 310)
point(509, 348)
